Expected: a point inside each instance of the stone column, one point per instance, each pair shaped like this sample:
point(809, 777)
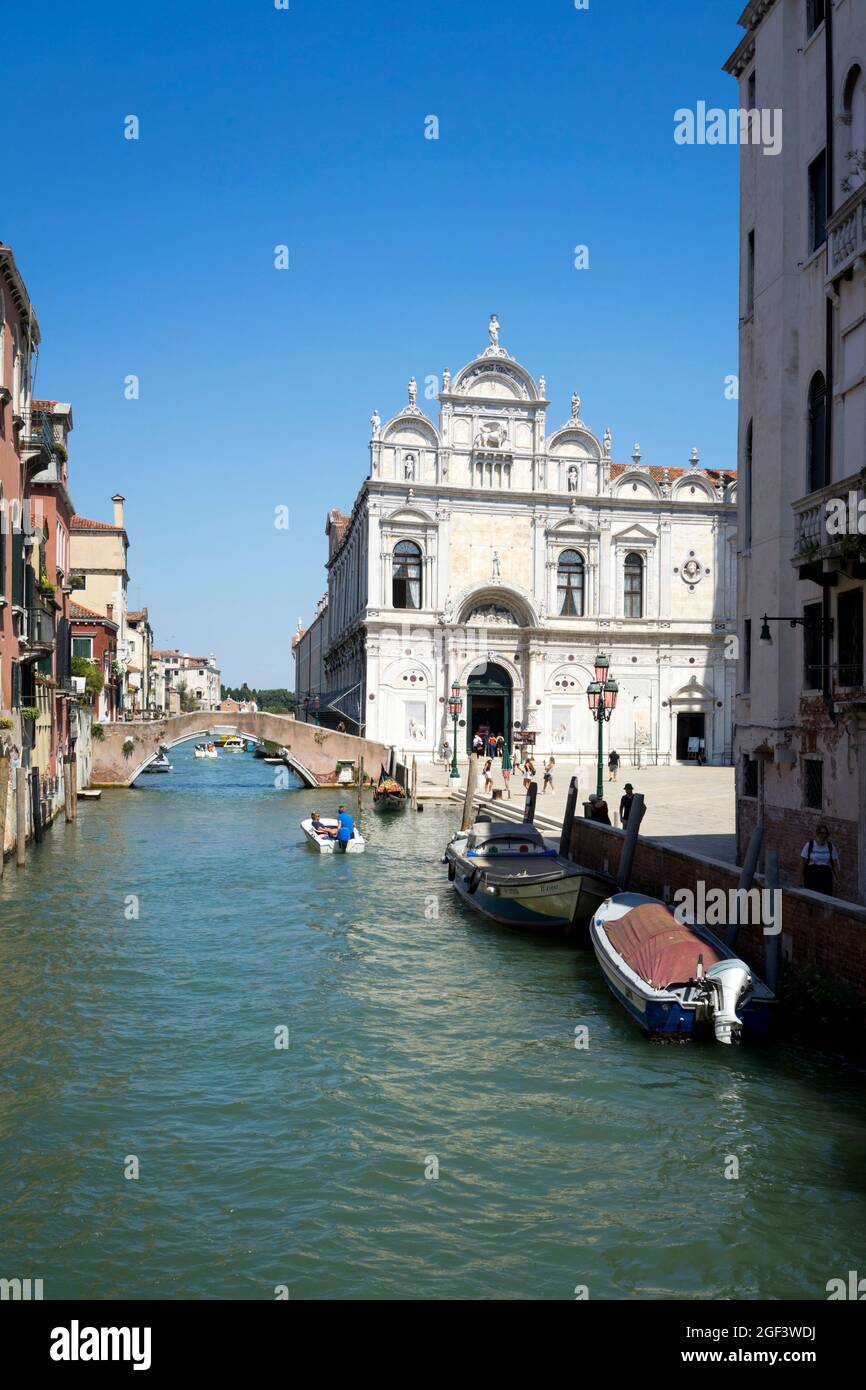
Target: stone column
point(605, 605)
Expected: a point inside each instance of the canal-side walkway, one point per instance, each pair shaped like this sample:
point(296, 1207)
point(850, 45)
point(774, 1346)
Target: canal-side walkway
point(689, 807)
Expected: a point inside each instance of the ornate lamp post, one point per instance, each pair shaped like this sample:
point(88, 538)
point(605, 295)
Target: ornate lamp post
point(601, 695)
point(455, 707)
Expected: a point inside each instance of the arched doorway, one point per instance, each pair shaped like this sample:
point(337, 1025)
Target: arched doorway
point(488, 703)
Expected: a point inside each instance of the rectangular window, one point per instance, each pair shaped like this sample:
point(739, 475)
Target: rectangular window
point(849, 626)
point(747, 656)
point(750, 776)
point(813, 784)
point(750, 273)
point(818, 201)
point(752, 90)
point(16, 685)
point(83, 646)
point(16, 559)
point(814, 15)
point(813, 648)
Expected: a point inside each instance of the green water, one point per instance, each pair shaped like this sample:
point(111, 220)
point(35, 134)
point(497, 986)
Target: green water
point(412, 1035)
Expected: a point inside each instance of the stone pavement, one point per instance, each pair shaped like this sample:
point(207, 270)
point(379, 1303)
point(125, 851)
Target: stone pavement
point(688, 806)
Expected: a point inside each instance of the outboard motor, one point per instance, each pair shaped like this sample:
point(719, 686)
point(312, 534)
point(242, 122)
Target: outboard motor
point(730, 980)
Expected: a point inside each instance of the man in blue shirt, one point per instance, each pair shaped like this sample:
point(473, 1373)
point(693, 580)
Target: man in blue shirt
point(345, 828)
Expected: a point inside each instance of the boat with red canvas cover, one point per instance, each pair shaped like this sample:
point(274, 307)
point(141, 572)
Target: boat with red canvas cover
point(674, 977)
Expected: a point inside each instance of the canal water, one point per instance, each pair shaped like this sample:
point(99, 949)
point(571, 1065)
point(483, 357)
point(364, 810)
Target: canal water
point(418, 1040)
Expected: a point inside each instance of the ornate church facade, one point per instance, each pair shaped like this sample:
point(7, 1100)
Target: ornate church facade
point(486, 552)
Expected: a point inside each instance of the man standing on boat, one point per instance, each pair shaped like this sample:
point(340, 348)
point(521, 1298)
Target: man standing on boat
point(345, 828)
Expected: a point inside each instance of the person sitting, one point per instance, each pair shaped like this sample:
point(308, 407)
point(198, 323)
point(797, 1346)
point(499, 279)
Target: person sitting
point(318, 828)
point(598, 809)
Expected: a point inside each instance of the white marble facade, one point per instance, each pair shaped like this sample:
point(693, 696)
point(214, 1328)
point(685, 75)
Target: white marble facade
point(530, 550)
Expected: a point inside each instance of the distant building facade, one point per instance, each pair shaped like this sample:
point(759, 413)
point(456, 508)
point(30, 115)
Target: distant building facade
point(485, 551)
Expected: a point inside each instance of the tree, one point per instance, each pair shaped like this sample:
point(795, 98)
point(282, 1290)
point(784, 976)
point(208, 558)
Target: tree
point(93, 679)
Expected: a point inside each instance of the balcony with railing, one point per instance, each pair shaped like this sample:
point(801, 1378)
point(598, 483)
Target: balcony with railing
point(37, 635)
point(827, 535)
point(37, 435)
point(846, 234)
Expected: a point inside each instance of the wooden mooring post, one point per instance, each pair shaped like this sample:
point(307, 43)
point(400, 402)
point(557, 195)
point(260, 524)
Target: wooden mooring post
point(414, 794)
point(360, 779)
point(21, 816)
point(4, 798)
point(67, 787)
point(471, 779)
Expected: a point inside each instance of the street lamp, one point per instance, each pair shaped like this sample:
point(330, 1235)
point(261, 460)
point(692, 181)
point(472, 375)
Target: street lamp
point(455, 706)
point(601, 696)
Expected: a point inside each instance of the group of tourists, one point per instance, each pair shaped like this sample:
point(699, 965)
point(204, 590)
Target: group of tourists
point(342, 832)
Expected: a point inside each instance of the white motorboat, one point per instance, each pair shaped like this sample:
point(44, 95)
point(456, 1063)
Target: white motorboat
point(205, 750)
point(234, 745)
point(324, 842)
point(160, 763)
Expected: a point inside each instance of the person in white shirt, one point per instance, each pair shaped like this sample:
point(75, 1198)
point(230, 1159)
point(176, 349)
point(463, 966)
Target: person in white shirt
point(819, 862)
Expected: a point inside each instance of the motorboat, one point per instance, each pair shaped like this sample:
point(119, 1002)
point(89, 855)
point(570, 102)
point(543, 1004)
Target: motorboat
point(233, 744)
point(324, 843)
point(388, 795)
point(510, 873)
point(205, 750)
point(159, 763)
point(676, 978)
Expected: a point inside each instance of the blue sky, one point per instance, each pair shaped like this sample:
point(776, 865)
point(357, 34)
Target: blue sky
point(306, 128)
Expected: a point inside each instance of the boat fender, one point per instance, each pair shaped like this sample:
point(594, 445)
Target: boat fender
point(474, 880)
point(452, 871)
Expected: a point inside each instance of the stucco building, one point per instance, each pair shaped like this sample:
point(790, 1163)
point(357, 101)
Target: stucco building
point(492, 551)
point(99, 551)
point(800, 739)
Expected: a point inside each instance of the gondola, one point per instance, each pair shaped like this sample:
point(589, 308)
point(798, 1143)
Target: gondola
point(388, 795)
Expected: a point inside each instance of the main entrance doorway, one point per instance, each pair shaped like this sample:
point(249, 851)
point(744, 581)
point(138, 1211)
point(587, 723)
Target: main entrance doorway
point(691, 733)
point(488, 709)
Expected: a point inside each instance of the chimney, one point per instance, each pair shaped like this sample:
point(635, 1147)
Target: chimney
point(118, 499)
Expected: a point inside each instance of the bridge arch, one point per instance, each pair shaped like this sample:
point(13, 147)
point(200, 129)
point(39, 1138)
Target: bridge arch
point(202, 735)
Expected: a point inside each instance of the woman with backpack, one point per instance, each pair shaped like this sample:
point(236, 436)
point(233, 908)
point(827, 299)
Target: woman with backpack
point(819, 862)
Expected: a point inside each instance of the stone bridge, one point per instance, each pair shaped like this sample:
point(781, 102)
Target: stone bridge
point(125, 749)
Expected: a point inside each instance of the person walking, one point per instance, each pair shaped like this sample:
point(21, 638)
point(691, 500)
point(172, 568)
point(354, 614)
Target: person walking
point(488, 777)
point(500, 745)
point(529, 774)
point(820, 862)
point(506, 777)
point(477, 744)
point(625, 804)
point(613, 764)
point(549, 768)
point(446, 751)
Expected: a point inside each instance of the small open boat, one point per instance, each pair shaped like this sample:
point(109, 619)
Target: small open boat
point(325, 844)
point(158, 764)
point(205, 750)
point(676, 978)
point(510, 873)
point(388, 795)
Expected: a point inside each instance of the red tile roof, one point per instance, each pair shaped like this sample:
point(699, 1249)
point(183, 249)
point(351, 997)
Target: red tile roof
point(617, 469)
point(79, 613)
point(84, 523)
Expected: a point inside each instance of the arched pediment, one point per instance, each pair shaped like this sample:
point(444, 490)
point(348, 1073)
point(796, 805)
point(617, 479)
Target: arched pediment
point(495, 378)
point(411, 427)
point(498, 605)
point(409, 516)
point(694, 487)
point(693, 690)
point(574, 441)
point(635, 483)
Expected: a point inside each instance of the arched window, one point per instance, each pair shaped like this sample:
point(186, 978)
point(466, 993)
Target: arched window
point(852, 145)
point(747, 488)
point(633, 587)
point(816, 433)
point(570, 584)
point(406, 587)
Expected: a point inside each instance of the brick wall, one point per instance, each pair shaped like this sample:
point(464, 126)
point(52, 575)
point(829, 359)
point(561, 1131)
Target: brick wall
point(787, 831)
point(822, 932)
